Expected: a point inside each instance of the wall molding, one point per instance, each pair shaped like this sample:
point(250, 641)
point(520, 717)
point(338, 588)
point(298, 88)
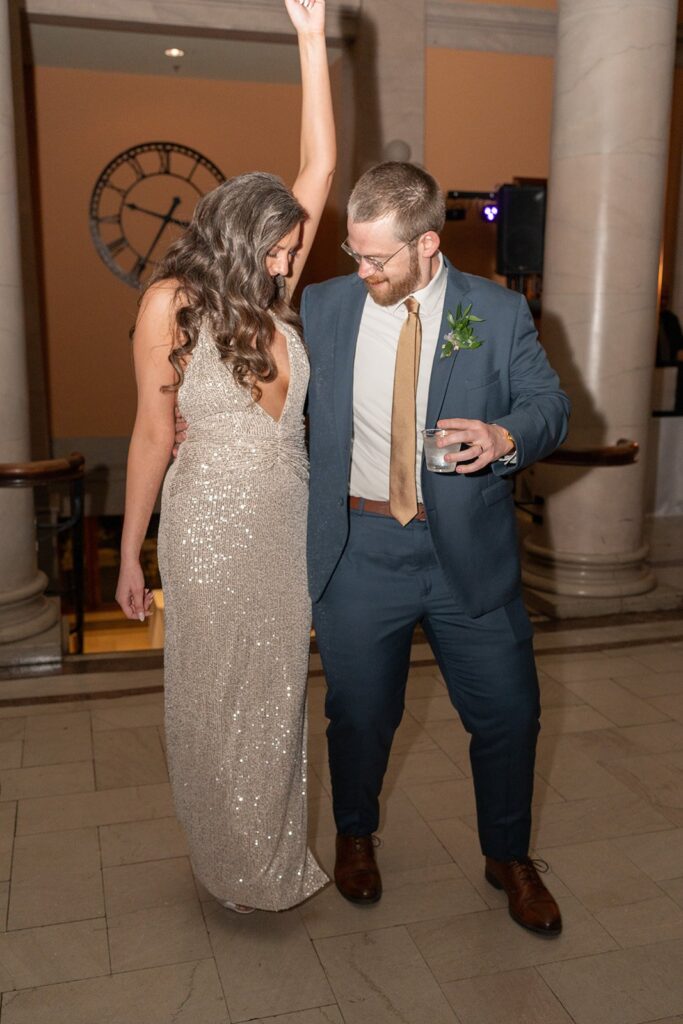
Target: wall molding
point(257, 18)
point(490, 27)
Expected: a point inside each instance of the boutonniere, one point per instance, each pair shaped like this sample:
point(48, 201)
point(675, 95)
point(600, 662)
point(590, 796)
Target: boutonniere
point(461, 334)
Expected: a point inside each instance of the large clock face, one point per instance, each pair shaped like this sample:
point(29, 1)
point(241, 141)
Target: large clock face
point(142, 201)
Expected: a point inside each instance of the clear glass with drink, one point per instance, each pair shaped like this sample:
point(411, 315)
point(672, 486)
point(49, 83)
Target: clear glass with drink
point(435, 457)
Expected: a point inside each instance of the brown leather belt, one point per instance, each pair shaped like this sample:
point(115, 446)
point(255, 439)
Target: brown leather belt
point(381, 508)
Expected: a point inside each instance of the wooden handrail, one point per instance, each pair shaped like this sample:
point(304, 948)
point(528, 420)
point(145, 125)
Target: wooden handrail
point(33, 474)
point(623, 453)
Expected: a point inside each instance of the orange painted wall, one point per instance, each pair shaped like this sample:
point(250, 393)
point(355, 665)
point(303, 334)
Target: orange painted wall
point(544, 5)
point(488, 118)
point(84, 119)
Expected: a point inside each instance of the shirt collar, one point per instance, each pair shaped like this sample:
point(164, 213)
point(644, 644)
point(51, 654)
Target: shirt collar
point(430, 297)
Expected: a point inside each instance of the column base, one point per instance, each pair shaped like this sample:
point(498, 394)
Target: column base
point(25, 612)
point(565, 574)
point(563, 606)
point(45, 648)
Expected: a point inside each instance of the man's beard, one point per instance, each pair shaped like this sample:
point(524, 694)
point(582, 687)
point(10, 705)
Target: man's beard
point(389, 293)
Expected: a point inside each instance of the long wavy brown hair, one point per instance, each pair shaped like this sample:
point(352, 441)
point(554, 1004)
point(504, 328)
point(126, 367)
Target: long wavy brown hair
point(219, 263)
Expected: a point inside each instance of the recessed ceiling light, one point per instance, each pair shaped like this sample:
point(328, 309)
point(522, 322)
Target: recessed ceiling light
point(174, 51)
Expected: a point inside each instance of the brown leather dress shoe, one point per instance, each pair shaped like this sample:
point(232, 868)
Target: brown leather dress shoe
point(356, 874)
point(530, 903)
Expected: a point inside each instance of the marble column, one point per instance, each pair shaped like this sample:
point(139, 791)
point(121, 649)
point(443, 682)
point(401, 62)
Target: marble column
point(24, 611)
point(613, 85)
point(389, 72)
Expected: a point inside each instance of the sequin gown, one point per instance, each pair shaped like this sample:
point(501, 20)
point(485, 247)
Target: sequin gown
point(232, 555)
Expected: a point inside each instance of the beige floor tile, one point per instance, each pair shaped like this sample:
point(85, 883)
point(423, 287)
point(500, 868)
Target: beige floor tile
point(641, 924)
point(586, 820)
point(655, 739)
point(55, 878)
point(652, 684)
point(411, 735)
point(572, 719)
point(266, 963)
point(514, 997)
point(183, 993)
point(156, 936)
point(419, 766)
point(462, 843)
point(573, 774)
point(572, 668)
point(406, 840)
point(600, 875)
point(47, 780)
point(321, 1015)
point(490, 942)
point(60, 952)
point(8, 815)
point(651, 778)
point(57, 738)
point(662, 658)
point(138, 841)
point(10, 753)
point(437, 800)
point(12, 729)
point(672, 706)
point(425, 682)
point(380, 977)
point(616, 703)
point(129, 757)
point(127, 717)
point(4, 900)
point(408, 896)
point(674, 888)
point(431, 709)
point(132, 887)
point(554, 694)
point(659, 855)
point(50, 814)
point(454, 741)
point(600, 745)
point(628, 986)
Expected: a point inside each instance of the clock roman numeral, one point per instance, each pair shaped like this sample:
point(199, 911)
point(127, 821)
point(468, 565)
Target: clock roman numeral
point(112, 218)
point(164, 161)
point(117, 246)
point(136, 167)
point(116, 188)
point(194, 168)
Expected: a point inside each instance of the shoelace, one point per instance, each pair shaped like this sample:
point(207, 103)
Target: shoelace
point(529, 865)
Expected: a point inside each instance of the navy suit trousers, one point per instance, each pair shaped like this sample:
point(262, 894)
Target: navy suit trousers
point(387, 581)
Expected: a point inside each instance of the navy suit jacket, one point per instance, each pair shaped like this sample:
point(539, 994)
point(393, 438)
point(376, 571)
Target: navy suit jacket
point(508, 380)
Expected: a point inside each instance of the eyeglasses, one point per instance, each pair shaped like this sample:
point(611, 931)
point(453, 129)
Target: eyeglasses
point(376, 264)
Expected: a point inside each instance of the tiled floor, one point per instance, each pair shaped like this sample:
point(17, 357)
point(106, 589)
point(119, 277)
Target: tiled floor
point(101, 921)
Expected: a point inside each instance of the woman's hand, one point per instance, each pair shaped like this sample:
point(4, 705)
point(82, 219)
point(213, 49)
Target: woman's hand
point(132, 595)
point(307, 16)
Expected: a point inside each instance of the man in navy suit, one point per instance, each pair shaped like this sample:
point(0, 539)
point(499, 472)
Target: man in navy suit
point(392, 544)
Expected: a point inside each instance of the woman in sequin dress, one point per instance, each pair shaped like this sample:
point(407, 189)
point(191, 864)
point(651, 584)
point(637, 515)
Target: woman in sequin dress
point(215, 330)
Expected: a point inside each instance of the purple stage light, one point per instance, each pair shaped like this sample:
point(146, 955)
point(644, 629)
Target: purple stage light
point(490, 212)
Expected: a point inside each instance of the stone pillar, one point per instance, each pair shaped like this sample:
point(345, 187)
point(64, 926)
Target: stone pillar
point(24, 611)
point(613, 85)
point(389, 72)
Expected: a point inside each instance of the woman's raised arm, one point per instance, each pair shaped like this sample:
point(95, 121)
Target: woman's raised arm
point(318, 142)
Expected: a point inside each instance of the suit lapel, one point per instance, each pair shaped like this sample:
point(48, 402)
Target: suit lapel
point(456, 291)
point(346, 340)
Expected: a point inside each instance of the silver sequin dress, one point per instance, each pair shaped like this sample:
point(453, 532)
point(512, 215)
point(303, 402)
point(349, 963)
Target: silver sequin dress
point(232, 555)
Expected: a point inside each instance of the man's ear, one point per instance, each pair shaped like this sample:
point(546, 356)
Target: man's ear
point(428, 244)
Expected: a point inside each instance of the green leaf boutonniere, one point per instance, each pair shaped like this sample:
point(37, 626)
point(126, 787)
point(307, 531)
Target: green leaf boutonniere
point(461, 334)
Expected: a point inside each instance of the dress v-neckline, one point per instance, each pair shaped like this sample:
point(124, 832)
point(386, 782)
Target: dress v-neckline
point(278, 421)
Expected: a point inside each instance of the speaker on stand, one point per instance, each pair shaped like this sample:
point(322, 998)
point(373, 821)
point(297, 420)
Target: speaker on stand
point(521, 227)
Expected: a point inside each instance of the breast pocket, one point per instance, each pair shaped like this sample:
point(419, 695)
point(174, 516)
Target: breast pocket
point(484, 398)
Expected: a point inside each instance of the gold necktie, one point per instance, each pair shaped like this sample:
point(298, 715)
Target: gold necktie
point(402, 486)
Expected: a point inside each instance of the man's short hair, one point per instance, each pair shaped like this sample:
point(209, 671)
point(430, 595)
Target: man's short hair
point(406, 192)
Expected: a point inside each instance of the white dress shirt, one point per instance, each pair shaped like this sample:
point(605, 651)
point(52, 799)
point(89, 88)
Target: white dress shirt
point(373, 385)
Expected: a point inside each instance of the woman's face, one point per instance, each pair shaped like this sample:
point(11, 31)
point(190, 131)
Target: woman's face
point(279, 257)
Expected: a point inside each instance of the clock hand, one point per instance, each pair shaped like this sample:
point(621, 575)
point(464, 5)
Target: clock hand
point(166, 219)
point(153, 213)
